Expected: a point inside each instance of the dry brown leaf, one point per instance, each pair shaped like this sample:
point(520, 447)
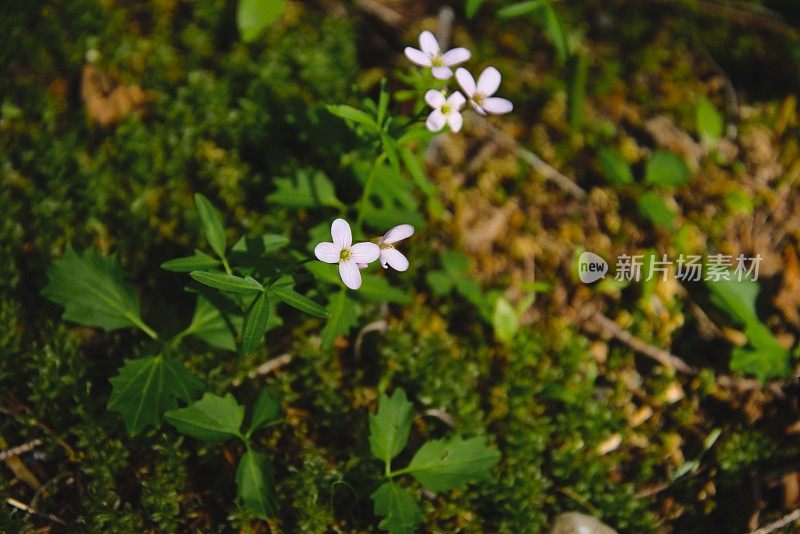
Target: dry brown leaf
point(106, 100)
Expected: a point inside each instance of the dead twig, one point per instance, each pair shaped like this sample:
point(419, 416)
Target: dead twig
point(780, 523)
point(25, 508)
point(538, 164)
point(20, 449)
point(266, 367)
point(385, 14)
point(662, 356)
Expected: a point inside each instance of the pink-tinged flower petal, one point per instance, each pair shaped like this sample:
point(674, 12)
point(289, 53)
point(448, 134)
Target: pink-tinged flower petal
point(327, 252)
point(428, 43)
point(364, 252)
point(435, 98)
point(441, 73)
point(394, 258)
point(454, 120)
point(497, 105)
point(489, 81)
point(456, 56)
point(340, 232)
point(466, 81)
point(350, 274)
point(436, 121)
point(362, 265)
point(477, 108)
point(418, 57)
point(456, 100)
point(398, 233)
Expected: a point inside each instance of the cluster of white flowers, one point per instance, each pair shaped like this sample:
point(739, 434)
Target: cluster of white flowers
point(351, 258)
point(447, 109)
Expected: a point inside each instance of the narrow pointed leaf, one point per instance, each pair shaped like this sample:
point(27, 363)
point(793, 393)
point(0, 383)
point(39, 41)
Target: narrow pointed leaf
point(441, 465)
point(199, 262)
point(343, 318)
point(389, 427)
point(255, 483)
point(146, 387)
point(301, 302)
point(227, 282)
point(212, 418)
point(215, 327)
point(400, 512)
point(255, 324)
point(212, 224)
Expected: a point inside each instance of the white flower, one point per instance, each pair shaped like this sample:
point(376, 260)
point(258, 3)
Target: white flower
point(389, 254)
point(431, 56)
point(347, 255)
point(445, 110)
point(480, 95)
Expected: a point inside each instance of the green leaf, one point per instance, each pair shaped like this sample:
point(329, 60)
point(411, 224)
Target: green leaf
point(92, 290)
point(455, 263)
point(255, 324)
point(227, 282)
point(383, 103)
point(354, 115)
point(308, 189)
point(146, 387)
point(440, 282)
point(555, 30)
point(764, 361)
point(212, 418)
point(397, 507)
point(253, 16)
point(300, 302)
point(199, 262)
point(376, 289)
point(212, 326)
point(390, 426)
point(259, 245)
point(343, 317)
point(655, 208)
point(255, 484)
point(667, 169)
point(615, 168)
point(708, 121)
point(520, 8)
point(212, 224)
point(505, 321)
point(441, 465)
point(737, 298)
point(266, 411)
point(472, 7)
point(578, 68)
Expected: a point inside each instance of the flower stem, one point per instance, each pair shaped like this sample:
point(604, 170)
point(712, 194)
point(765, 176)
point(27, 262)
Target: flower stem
point(362, 205)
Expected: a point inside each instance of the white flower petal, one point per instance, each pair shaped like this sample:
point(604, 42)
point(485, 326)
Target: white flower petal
point(441, 73)
point(428, 43)
point(489, 81)
point(327, 252)
point(456, 56)
point(418, 57)
point(362, 265)
point(456, 100)
point(497, 105)
point(436, 121)
point(435, 98)
point(394, 258)
point(350, 274)
point(340, 232)
point(466, 81)
point(454, 120)
point(398, 233)
point(477, 108)
point(364, 252)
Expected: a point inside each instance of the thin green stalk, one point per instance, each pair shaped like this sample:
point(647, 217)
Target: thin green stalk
point(138, 322)
point(362, 205)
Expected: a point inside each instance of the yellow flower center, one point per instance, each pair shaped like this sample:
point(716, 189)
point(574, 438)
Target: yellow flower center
point(384, 246)
point(478, 98)
point(446, 109)
point(437, 60)
point(345, 254)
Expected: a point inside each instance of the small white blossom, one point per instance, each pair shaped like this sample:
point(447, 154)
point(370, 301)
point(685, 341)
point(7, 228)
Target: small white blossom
point(431, 56)
point(347, 255)
point(480, 95)
point(390, 255)
point(445, 110)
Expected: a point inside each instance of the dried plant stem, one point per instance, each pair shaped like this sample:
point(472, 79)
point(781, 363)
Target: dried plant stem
point(20, 449)
point(780, 523)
